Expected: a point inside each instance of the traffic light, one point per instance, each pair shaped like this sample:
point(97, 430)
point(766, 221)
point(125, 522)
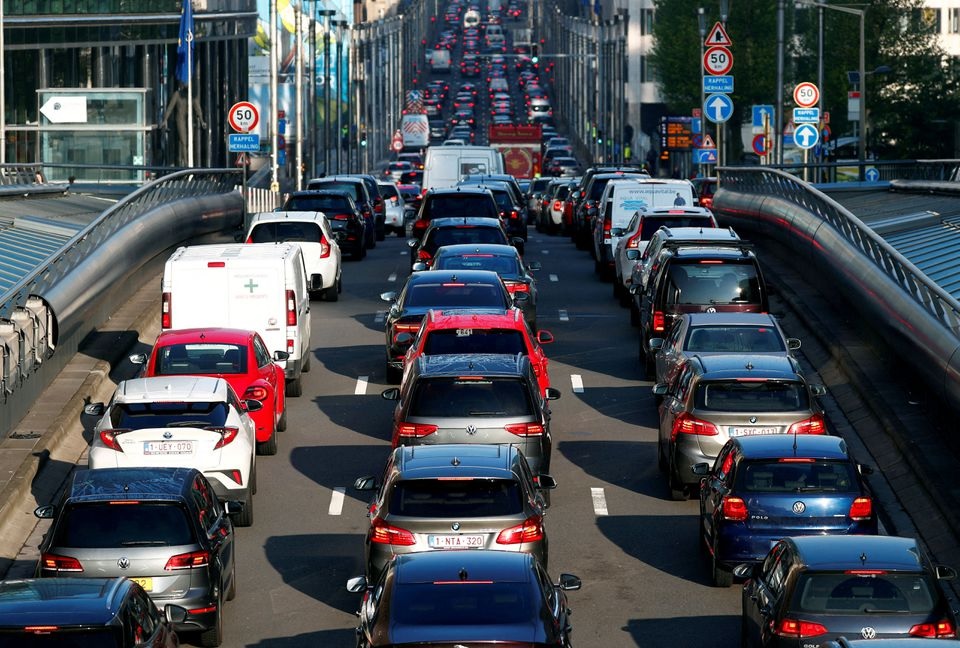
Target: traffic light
point(535, 53)
point(363, 138)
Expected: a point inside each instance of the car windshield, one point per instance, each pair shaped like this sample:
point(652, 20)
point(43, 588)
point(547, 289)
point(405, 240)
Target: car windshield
point(654, 222)
point(63, 637)
point(717, 282)
point(463, 205)
point(471, 396)
point(461, 498)
point(326, 204)
point(280, 231)
point(505, 266)
point(794, 475)
point(466, 603)
point(190, 359)
point(752, 396)
point(868, 592)
point(738, 339)
point(474, 340)
point(462, 234)
point(122, 524)
point(141, 416)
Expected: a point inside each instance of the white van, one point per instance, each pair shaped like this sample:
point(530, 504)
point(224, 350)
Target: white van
point(471, 19)
point(260, 287)
point(446, 165)
point(440, 60)
point(415, 130)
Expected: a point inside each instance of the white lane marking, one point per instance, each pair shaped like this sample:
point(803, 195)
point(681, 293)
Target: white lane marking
point(577, 382)
point(392, 277)
point(554, 278)
point(361, 387)
point(563, 316)
point(379, 318)
point(599, 501)
point(336, 500)
point(404, 253)
point(544, 251)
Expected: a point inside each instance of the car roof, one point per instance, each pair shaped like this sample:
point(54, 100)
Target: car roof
point(64, 602)
point(204, 335)
point(727, 366)
point(467, 276)
point(777, 446)
point(697, 251)
point(450, 566)
point(141, 483)
point(830, 553)
point(491, 461)
point(479, 248)
point(277, 216)
point(317, 193)
point(459, 221)
point(165, 388)
point(447, 319)
point(458, 189)
point(472, 364)
point(700, 233)
point(731, 319)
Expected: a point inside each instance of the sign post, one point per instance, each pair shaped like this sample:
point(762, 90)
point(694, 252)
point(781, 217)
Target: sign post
point(718, 84)
point(243, 118)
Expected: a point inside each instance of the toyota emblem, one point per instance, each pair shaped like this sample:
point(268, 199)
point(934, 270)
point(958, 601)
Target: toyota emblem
point(868, 633)
point(455, 526)
point(471, 429)
point(123, 563)
point(168, 434)
point(799, 507)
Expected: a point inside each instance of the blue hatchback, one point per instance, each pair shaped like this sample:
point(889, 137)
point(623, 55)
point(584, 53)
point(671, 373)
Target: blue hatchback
point(764, 488)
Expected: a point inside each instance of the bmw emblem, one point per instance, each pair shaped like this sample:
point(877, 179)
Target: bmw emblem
point(868, 633)
point(711, 309)
point(799, 507)
point(471, 429)
point(168, 435)
point(753, 420)
point(123, 563)
point(455, 526)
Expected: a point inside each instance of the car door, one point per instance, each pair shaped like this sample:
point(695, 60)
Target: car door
point(762, 595)
point(270, 372)
point(673, 404)
point(217, 530)
point(554, 600)
point(715, 485)
point(671, 355)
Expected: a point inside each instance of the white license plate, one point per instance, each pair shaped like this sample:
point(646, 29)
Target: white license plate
point(456, 541)
point(751, 431)
point(168, 447)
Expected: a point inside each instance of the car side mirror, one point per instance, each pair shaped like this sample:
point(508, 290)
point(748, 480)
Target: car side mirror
point(552, 394)
point(412, 243)
point(253, 405)
point(357, 584)
point(175, 613)
point(392, 393)
point(702, 469)
point(865, 469)
point(280, 356)
point(616, 231)
point(946, 573)
point(818, 390)
point(746, 570)
point(45, 512)
point(367, 483)
point(656, 344)
point(233, 507)
point(521, 298)
point(546, 482)
point(544, 337)
point(94, 409)
point(388, 297)
point(633, 254)
point(660, 389)
point(635, 289)
point(419, 266)
point(568, 582)
point(793, 344)
point(138, 358)
point(534, 266)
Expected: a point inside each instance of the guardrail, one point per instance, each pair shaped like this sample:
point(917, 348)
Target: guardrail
point(886, 170)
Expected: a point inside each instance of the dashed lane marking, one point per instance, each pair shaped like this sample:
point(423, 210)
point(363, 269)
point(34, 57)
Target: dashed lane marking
point(563, 315)
point(554, 278)
point(336, 500)
point(361, 387)
point(379, 318)
point(544, 251)
point(392, 277)
point(599, 501)
point(576, 381)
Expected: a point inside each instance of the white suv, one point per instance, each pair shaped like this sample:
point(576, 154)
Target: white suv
point(181, 421)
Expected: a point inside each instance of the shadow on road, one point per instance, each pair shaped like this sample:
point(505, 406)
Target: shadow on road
point(665, 542)
point(628, 464)
point(715, 631)
point(355, 413)
point(345, 638)
point(332, 466)
point(319, 565)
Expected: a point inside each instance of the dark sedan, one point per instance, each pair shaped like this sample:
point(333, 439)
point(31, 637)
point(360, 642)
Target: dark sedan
point(341, 211)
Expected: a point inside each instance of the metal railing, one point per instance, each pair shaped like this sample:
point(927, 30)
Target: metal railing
point(886, 170)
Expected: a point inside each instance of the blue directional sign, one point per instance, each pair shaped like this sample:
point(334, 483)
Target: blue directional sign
point(695, 127)
point(806, 115)
point(718, 108)
point(718, 83)
point(705, 156)
point(244, 142)
point(759, 112)
point(872, 174)
point(806, 136)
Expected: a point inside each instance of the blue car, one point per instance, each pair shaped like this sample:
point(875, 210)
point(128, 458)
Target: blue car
point(764, 488)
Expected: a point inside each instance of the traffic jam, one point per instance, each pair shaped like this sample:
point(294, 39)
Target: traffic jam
point(571, 394)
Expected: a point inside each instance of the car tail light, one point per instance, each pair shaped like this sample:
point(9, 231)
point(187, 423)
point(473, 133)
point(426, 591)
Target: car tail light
point(861, 509)
point(236, 476)
point(290, 346)
point(166, 310)
point(517, 287)
point(530, 531)
point(342, 217)
point(255, 392)
point(514, 214)
point(525, 429)
point(41, 630)
point(53, 562)
point(415, 430)
point(686, 423)
point(813, 425)
point(556, 205)
point(634, 241)
point(799, 629)
point(188, 560)
point(405, 327)
point(249, 239)
point(291, 308)
point(940, 630)
point(382, 533)
point(227, 434)
point(607, 226)
point(423, 255)
point(659, 321)
point(324, 247)
point(734, 509)
point(109, 438)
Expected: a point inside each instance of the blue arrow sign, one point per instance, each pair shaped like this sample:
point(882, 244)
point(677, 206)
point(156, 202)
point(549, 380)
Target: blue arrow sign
point(872, 174)
point(718, 83)
point(806, 115)
point(806, 135)
point(718, 108)
point(705, 156)
point(244, 142)
point(759, 112)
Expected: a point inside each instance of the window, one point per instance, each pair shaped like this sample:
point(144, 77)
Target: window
point(646, 22)
point(851, 593)
point(464, 603)
point(191, 359)
point(306, 232)
point(104, 525)
point(496, 397)
point(448, 341)
point(797, 477)
point(774, 571)
point(953, 20)
point(261, 353)
point(137, 416)
point(472, 498)
point(748, 396)
point(738, 339)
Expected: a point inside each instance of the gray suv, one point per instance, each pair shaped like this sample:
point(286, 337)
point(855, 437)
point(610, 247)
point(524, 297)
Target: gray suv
point(457, 496)
point(475, 398)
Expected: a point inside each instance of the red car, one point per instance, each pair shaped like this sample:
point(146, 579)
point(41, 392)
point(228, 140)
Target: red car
point(239, 357)
point(459, 332)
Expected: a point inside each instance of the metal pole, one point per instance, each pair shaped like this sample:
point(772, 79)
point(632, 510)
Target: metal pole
point(338, 140)
point(702, 24)
point(862, 151)
point(312, 102)
point(326, 93)
point(3, 96)
point(298, 92)
point(778, 126)
point(274, 52)
point(820, 82)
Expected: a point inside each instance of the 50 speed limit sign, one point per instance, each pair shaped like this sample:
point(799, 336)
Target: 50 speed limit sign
point(806, 94)
point(717, 60)
point(243, 117)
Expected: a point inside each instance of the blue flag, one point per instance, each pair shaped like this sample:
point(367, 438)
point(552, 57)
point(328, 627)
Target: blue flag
point(185, 43)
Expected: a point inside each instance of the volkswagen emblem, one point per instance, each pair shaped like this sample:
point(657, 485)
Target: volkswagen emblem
point(168, 434)
point(123, 563)
point(868, 633)
point(753, 419)
point(455, 526)
point(711, 309)
point(471, 429)
point(799, 507)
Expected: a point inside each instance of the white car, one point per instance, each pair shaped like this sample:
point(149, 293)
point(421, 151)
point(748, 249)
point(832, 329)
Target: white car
point(394, 209)
point(312, 232)
point(181, 421)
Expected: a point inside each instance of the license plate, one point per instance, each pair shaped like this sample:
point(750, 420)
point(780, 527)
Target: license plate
point(456, 541)
point(168, 447)
point(145, 583)
point(750, 431)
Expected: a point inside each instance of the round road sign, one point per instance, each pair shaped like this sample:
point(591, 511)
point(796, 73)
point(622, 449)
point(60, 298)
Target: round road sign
point(397, 145)
point(717, 60)
point(243, 117)
point(806, 94)
point(760, 145)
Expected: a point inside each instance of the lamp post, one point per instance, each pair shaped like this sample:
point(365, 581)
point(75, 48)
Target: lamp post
point(328, 14)
point(312, 102)
point(702, 25)
point(338, 140)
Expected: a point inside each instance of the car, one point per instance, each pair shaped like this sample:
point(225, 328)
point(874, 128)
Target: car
point(705, 188)
point(715, 398)
point(456, 332)
point(488, 489)
point(394, 209)
point(194, 421)
point(474, 398)
point(453, 231)
point(83, 612)
point(592, 184)
point(464, 597)
point(502, 259)
point(510, 209)
point(533, 194)
point(411, 194)
point(238, 356)
point(452, 203)
point(394, 170)
point(360, 194)
point(312, 232)
point(373, 189)
point(412, 177)
point(436, 289)
point(162, 528)
point(706, 334)
point(551, 212)
point(763, 488)
point(812, 589)
point(415, 159)
point(344, 216)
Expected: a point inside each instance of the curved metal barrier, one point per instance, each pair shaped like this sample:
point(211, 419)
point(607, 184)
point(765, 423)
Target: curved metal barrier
point(910, 310)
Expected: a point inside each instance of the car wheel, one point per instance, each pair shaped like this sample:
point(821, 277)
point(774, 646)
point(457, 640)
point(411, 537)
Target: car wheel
point(294, 387)
point(702, 536)
point(661, 459)
point(678, 493)
point(394, 375)
point(617, 287)
point(721, 577)
point(245, 517)
point(332, 293)
point(598, 267)
point(282, 423)
point(381, 235)
point(268, 447)
point(213, 636)
point(232, 592)
point(400, 232)
point(306, 364)
point(634, 314)
point(649, 366)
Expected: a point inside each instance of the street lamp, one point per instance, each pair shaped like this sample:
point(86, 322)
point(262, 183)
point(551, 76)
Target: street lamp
point(340, 25)
point(328, 14)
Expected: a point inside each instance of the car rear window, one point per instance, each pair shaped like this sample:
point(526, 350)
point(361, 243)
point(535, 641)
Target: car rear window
point(852, 593)
point(471, 396)
point(138, 416)
point(63, 637)
point(105, 525)
point(738, 339)
point(463, 205)
point(347, 187)
point(463, 234)
point(474, 340)
point(459, 603)
point(796, 476)
point(276, 232)
point(189, 359)
point(714, 282)
point(461, 498)
point(505, 266)
point(327, 204)
point(456, 295)
point(654, 222)
point(752, 396)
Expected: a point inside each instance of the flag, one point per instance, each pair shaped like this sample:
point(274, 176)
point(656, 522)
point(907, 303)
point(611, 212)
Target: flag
point(185, 44)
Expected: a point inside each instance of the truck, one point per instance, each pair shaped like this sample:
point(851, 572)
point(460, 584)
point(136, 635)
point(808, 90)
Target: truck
point(520, 147)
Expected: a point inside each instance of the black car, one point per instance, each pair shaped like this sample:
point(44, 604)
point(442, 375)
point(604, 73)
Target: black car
point(379, 215)
point(438, 289)
point(464, 597)
point(510, 204)
point(342, 213)
point(457, 231)
point(83, 613)
point(358, 190)
point(812, 589)
point(454, 202)
point(587, 199)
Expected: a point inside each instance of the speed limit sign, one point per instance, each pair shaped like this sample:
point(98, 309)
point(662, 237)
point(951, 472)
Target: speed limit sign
point(717, 60)
point(243, 117)
point(806, 94)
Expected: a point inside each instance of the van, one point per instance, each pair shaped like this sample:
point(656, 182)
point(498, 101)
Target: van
point(440, 61)
point(445, 165)
point(471, 19)
point(259, 286)
point(415, 130)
